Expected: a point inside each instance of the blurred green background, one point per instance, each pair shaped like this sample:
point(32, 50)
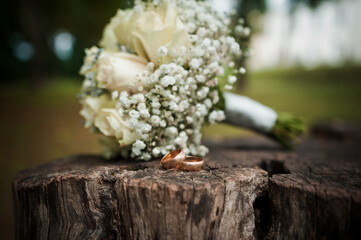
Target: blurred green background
point(42, 49)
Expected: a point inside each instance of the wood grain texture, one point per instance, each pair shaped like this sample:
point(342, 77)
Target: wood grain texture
point(85, 197)
point(249, 189)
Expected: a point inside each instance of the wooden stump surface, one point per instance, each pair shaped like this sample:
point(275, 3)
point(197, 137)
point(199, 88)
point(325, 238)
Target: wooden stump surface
point(249, 189)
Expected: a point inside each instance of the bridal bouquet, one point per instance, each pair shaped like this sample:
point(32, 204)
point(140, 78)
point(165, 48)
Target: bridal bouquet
point(161, 73)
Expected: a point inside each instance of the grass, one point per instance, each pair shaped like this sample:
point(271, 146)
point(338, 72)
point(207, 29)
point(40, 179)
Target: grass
point(44, 124)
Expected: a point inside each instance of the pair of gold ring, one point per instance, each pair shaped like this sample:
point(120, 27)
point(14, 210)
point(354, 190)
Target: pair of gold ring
point(177, 159)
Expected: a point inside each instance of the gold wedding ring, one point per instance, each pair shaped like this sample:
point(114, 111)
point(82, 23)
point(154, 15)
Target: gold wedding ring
point(191, 163)
point(178, 160)
point(173, 159)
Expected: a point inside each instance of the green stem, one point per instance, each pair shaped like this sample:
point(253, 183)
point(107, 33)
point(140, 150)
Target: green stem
point(287, 130)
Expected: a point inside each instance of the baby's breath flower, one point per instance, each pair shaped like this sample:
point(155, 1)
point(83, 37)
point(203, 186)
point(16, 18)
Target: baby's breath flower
point(232, 79)
point(171, 132)
point(144, 113)
point(115, 94)
point(155, 120)
point(195, 63)
point(156, 151)
point(242, 70)
point(216, 116)
point(167, 80)
point(162, 51)
point(163, 123)
point(150, 66)
point(134, 114)
point(141, 106)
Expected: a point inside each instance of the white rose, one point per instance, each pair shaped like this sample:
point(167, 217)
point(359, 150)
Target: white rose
point(111, 124)
point(109, 40)
point(92, 106)
point(145, 32)
point(124, 19)
point(116, 71)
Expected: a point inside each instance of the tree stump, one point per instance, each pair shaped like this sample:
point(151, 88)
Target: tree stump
point(249, 189)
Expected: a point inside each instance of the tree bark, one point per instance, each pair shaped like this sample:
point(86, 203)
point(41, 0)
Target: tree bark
point(249, 189)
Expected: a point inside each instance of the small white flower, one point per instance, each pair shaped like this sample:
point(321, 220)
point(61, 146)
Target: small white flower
point(156, 151)
point(144, 113)
point(202, 150)
point(155, 104)
point(232, 79)
point(162, 123)
point(242, 70)
point(213, 66)
point(235, 48)
point(195, 63)
point(173, 106)
point(246, 31)
point(208, 103)
point(141, 106)
point(190, 80)
point(191, 27)
point(201, 109)
point(201, 78)
point(216, 43)
point(162, 51)
point(139, 97)
point(203, 92)
point(167, 80)
point(167, 114)
point(156, 111)
point(189, 120)
point(115, 94)
point(215, 96)
point(216, 116)
point(202, 32)
point(134, 113)
point(184, 104)
point(171, 132)
point(137, 147)
point(143, 127)
point(123, 94)
point(133, 122)
point(150, 66)
point(146, 156)
point(139, 144)
point(146, 127)
point(155, 120)
point(206, 42)
point(238, 30)
point(144, 136)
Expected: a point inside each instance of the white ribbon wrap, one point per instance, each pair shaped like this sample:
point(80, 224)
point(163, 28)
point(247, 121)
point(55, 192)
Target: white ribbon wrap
point(245, 112)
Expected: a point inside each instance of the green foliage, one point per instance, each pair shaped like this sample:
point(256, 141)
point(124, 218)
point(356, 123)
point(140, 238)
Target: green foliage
point(287, 130)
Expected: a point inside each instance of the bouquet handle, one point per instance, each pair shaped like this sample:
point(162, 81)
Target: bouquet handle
point(244, 112)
